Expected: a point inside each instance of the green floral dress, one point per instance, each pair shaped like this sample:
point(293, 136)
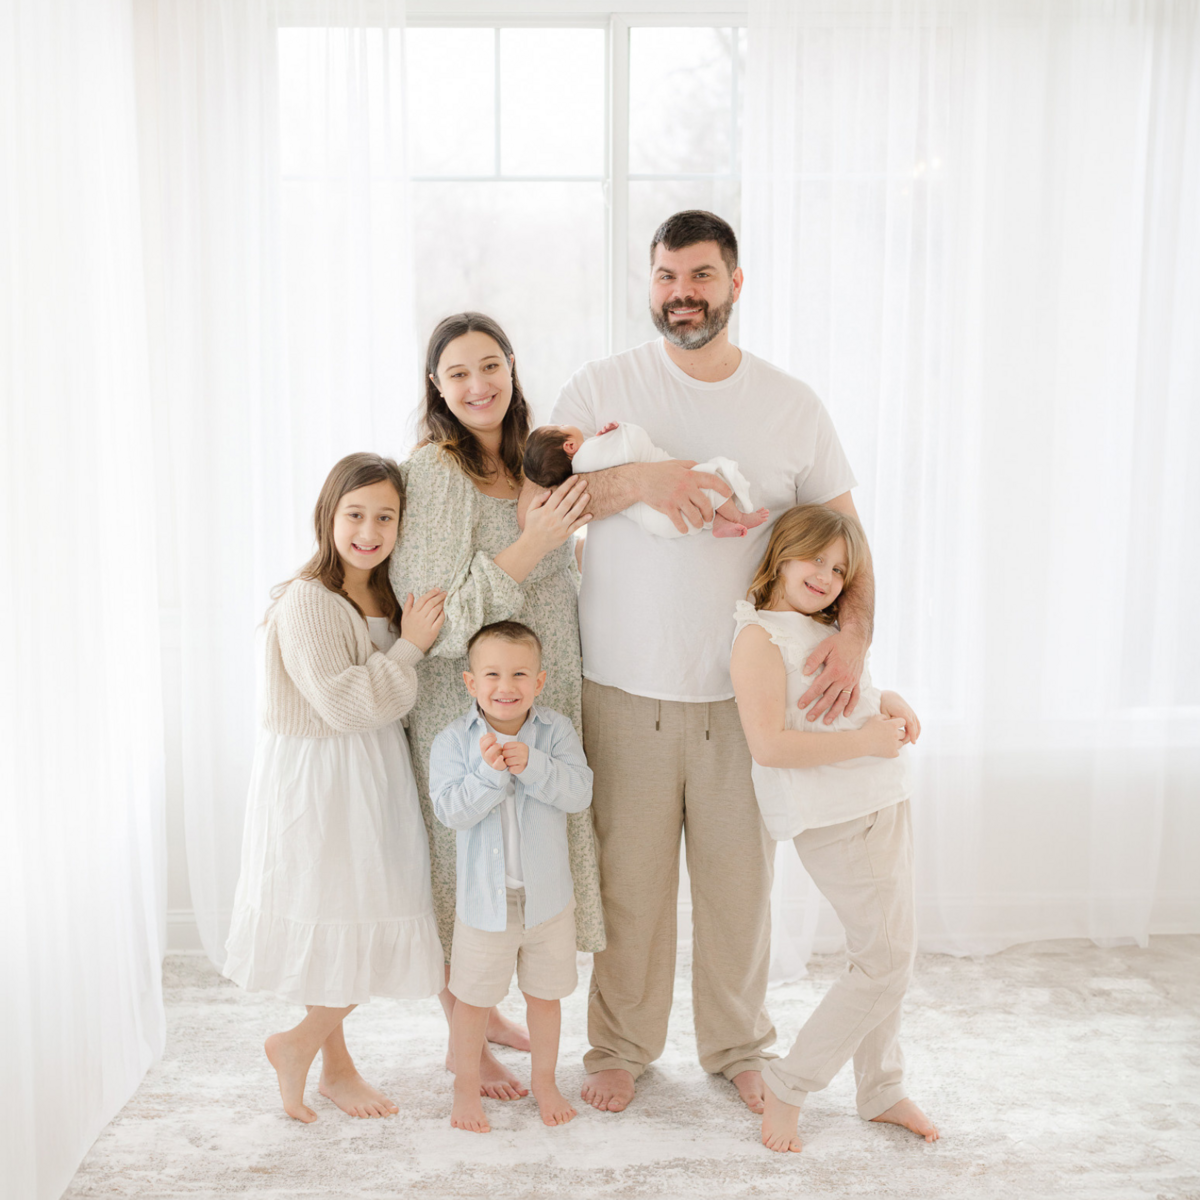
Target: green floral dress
point(449, 538)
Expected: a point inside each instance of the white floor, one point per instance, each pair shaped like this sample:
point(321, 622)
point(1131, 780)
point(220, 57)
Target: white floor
point(1053, 1070)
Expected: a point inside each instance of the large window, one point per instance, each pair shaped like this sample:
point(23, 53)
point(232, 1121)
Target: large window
point(541, 153)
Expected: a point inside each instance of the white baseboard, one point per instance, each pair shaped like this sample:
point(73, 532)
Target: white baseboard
point(183, 935)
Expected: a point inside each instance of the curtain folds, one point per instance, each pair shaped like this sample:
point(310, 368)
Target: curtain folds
point(82, 845)
point(972, 228)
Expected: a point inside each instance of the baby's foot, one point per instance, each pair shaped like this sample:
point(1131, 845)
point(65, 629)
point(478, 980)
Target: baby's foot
point(754, 519)
point(779, 1124)
point(723, 527)
point(467, 1112)
point(907, 1114)
point(505, 1032)
point(497, 1081)
point(553, 1105)
point(291, 1065)
point(355, 1096)
point(609, 1091)
point(751, 1088)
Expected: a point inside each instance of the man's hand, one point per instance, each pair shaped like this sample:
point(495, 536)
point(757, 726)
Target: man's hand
point(516, 756)
point(676, 491)
point(840, 660)
point(493, 755)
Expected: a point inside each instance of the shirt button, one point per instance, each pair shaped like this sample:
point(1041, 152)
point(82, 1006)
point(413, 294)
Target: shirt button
point(495, 849)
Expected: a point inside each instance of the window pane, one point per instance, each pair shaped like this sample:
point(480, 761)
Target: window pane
point(651, 203)
point(451, 93)
point(552, 101)
point(529, 254)
point(682, 101)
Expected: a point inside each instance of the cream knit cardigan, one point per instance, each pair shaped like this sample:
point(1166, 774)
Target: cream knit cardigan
point(323, 675)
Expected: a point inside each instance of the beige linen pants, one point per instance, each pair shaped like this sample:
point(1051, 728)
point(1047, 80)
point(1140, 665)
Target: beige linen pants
point(865, 870)
point(662, 768)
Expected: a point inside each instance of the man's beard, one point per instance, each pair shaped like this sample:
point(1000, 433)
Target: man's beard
point(692, 337)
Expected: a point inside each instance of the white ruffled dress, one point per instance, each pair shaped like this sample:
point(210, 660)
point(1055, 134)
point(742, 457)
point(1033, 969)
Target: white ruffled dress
point(333, 905)
point(793, 799)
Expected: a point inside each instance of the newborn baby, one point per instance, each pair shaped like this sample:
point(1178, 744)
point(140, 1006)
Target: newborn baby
point(555, 452)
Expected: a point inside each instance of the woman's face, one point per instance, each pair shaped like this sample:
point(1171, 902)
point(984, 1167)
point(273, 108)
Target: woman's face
point(475, 380)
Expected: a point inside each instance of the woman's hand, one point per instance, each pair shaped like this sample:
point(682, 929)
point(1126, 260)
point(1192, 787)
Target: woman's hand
point(894, 705)
point(883, 736)
point(421, 620)
point(552, 517)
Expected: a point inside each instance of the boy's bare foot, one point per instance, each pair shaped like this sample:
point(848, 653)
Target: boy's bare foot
point(779, 1124)
point(291, 1065)
point(467, 1112)
point(505, 1032)
point(751, 1088)
point(496, 1080)
point(724, 527)
point(355, 1096)
point(907, 1114)
point(609, 1091)
point(553, 1105)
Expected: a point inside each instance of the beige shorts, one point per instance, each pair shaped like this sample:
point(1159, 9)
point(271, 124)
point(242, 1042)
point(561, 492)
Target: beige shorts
point(482, 961)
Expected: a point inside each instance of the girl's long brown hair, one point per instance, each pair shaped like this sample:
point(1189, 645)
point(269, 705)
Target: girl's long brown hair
point(803, 532)
point(348, 475)
point(442, 428)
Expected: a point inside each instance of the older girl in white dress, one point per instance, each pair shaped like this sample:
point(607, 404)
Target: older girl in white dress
point(333, 905)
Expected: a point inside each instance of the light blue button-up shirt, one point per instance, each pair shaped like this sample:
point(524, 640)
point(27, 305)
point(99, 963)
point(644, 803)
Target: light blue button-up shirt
point(467, 795)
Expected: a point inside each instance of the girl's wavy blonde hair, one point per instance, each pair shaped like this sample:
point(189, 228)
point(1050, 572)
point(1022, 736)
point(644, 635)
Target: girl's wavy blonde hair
point(803, 532)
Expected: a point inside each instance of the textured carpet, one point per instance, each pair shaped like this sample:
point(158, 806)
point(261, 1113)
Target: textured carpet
point(1053, 1070)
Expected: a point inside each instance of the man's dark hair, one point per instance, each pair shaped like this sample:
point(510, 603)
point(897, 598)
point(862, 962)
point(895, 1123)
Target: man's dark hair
point(506, 631)
point(695, 225)
point(546, 462)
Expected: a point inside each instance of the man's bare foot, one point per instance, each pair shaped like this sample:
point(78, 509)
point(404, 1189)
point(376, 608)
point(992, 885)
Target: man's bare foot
point(609, 1091)
point(505, 1032)
point(723, 527)
point(779, 1124)
point(907, 1114)
point(751, 1088)
point(496, 1080)
point(553, 1105)
point(355, 1096)
point(467, 1112)
point(291, 1065)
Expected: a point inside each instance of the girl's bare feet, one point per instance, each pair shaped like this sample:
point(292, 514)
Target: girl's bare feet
point(751, 1088)
point(505, 1032)
point(467, 1112)
point(609, 1091)
point(779, 1124)
point(355, 1096)
point(552, 1104)
point(907, 1114)
point(291, 1063)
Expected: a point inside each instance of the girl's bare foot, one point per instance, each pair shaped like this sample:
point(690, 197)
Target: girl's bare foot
point(609, 1091)
point(505, 1032)
point(355, 1096)
point(553, 1105)
point(779, 1124)
point(907, 1114)
point(751, 1088)
point(291, 1064)
point(467, 1112)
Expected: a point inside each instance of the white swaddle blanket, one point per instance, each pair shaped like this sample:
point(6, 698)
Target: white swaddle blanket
point(631, 443)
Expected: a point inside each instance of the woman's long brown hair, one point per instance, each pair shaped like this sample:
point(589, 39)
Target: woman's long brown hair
point(803, 532)
point(442, 428)
point(326, 567)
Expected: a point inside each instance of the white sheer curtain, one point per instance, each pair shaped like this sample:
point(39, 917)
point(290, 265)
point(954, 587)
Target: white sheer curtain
point(82, 853)
point(972, 227)
point(266, 374)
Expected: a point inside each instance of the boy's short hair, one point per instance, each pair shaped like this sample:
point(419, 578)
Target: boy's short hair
point(546, 462)
point(506, 631)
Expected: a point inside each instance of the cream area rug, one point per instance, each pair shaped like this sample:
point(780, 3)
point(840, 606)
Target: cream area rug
point(1056, 1069)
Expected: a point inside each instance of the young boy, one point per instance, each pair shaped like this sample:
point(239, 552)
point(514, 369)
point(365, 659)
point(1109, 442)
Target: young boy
point(505, 775)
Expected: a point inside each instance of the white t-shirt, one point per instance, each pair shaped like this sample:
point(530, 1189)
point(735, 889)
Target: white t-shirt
point(514, 873)
point(654, 614)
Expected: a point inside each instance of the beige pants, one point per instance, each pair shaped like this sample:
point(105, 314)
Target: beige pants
point(663, 767)
point(865, 869)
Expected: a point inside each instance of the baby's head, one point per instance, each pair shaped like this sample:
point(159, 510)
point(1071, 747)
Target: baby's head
point(548, 454)
point(505, 673)
point(813, 555)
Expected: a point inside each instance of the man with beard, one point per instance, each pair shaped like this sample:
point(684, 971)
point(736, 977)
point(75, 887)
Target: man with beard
point(661, 730)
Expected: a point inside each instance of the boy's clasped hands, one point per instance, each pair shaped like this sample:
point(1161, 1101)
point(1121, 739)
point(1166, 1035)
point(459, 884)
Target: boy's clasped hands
point(504, 756)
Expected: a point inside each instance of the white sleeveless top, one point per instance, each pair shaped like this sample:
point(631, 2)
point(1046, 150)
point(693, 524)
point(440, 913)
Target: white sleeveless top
point(793, 799)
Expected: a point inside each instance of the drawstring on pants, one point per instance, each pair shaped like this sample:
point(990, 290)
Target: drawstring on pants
point(706, 721)
point(657, 715)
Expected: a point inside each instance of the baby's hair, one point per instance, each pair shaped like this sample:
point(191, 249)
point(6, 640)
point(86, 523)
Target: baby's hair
point(326, 567)
point(506, 631)
point(803, 532)
point(546, 462)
